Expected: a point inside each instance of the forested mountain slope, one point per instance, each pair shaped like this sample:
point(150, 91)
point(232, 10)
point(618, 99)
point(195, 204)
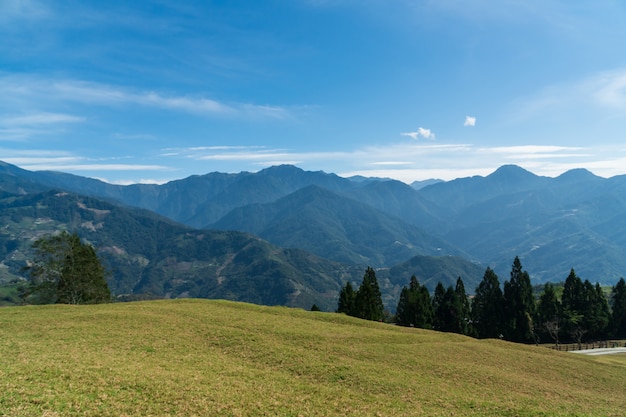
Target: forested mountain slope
point(149, 256)
point(335, 227)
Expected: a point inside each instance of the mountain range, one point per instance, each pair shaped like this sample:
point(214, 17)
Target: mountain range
point(576, 220)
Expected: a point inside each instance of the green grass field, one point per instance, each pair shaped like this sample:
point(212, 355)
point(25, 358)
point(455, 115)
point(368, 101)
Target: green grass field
point(217, 358)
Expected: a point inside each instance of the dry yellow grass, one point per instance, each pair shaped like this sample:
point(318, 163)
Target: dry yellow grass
point(201, 357)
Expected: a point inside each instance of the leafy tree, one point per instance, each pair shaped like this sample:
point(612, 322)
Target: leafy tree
point(414, 306)
point(66, 271)
point(618, 316)
point(487, 306)
point(368, 301)
point(519, 305)
point(548, 315)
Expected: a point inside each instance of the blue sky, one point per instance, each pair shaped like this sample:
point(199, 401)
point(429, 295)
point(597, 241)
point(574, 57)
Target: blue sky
point(150, 91)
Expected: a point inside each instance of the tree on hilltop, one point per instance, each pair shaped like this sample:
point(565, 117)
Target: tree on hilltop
point(366, 302)
point(66, 271)
point(548, 315)
point(585, 308)
point(464, 308)
point(451, 308)
point(487, 306)
point(519, 305)
point(414, 306)
point(346, 300)
point(618, 316)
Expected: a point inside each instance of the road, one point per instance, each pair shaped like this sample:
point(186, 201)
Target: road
point(601, 351)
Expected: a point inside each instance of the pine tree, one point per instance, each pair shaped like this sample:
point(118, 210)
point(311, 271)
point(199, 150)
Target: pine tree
point(424, 310)
point(548, 316)
point(451, 308)
point(487, 306)
point(368, 300)
point(346, 300)
point(597, 313)
point(414, 307)
point(404, 313)
point(519, 305)
point(618, 315)
point(585, 309)
point(573, 305)
point(464, 310)
point(438, 305)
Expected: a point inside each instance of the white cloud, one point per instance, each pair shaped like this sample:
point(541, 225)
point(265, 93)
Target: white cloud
point(593, 97)
point(12, 11)
point(609, 88)
point(416, 161)
point(405, 161)
point(469, 121)
point(36, 91)
point(425, 133)
point(40, 119)
point(22, 127)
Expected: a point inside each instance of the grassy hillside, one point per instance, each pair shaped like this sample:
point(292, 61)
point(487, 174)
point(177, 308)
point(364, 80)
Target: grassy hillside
point(201, 357)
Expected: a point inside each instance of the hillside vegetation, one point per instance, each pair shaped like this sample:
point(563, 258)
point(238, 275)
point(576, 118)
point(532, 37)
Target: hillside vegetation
point(201, 357)
point(149, 256)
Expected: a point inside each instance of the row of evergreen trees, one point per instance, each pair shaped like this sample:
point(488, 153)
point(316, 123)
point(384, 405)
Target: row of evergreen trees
point(511, 313)
point(366, 302)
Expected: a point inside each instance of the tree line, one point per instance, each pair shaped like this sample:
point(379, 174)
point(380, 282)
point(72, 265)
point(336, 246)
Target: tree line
point(510, 312)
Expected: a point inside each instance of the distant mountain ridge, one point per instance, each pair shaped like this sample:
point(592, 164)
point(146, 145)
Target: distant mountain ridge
point(336, 228)
point(575, 220)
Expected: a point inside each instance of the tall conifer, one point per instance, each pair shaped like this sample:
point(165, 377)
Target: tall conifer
point(519, 305)
point(487, 306)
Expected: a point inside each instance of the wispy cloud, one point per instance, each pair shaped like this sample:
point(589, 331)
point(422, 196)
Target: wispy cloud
point(412, 161)
point(14, 11)
point(36, 119)
point(403, 161)
point(420, 132)
point(469, 121)
point(609, 88)
point(22, 127)
point(52, 160)
point(604, 91)
point(32, 90)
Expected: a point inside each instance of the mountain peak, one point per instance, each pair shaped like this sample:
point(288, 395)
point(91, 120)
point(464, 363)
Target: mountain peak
point(511, 174)
point(284, 169)
point(511, 171)
point(577, 175)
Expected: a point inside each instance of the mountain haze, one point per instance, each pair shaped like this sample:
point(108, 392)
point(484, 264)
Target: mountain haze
point(575, 220)
point(334, 227)
point(149, 256)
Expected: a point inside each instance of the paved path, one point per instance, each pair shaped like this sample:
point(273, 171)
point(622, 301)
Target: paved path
point(601, 351)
